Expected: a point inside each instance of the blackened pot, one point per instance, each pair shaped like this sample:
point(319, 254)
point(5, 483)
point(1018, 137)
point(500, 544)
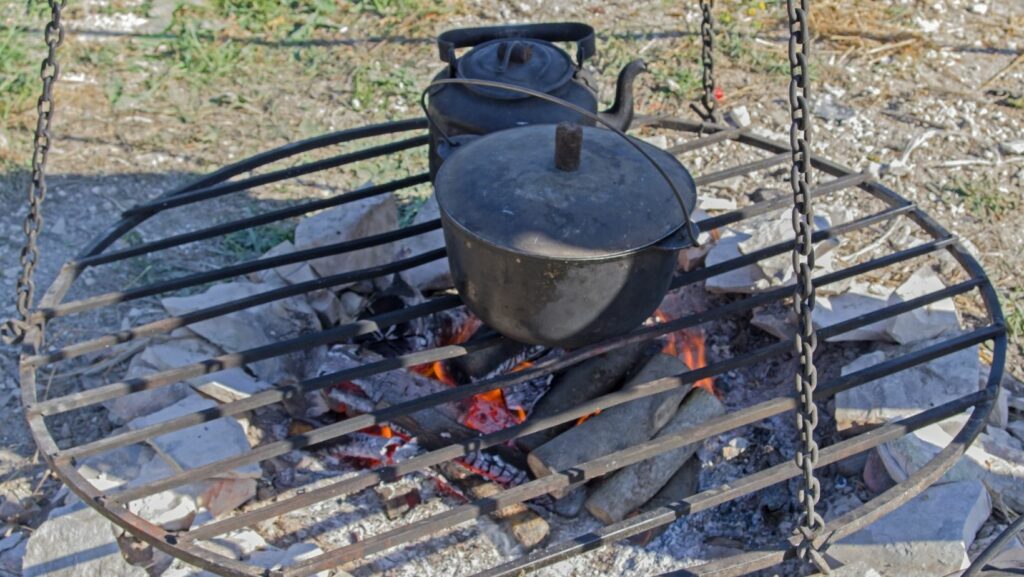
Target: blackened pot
point(558, 257)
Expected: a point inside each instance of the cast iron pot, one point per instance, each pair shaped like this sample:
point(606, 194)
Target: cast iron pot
point(563, 241)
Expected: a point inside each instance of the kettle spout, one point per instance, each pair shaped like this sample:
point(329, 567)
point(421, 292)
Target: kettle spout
point(620, 115)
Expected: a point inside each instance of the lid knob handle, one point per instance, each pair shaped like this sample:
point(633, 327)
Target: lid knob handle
point(568, 146)
point(518, 52)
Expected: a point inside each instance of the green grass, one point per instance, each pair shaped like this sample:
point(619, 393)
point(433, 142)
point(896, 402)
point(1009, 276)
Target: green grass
point(19, 74)
point(255, 242)
point(981, 198)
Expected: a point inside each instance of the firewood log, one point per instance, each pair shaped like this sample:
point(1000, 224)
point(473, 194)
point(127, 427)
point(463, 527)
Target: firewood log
point(614, 429)
point(629, 488)
point(683, 484)
point(583, 382)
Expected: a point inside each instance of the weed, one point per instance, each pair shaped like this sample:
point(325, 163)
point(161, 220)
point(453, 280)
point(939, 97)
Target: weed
point(18, 76)
point(981, 198)
point(254, 242)
point(204, 58)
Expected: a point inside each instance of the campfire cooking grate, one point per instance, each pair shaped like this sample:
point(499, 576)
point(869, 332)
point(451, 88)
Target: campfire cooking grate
point(37, 361)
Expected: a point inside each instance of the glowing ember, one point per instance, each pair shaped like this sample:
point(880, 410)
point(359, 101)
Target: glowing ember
point(688, 346)
point(487, 412)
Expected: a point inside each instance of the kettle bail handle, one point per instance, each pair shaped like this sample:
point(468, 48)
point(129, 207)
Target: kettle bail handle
point(578, 32)
point(691, 227)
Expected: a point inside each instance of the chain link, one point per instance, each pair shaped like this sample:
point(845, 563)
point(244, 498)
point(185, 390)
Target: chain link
point(811, 522)
point(14, 330)
point(707, 60)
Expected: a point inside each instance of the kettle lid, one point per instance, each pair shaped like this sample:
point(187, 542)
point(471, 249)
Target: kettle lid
point(526, 62)
point(507, 189)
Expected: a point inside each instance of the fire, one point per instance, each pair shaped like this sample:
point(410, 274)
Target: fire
point(487, 412)
point(688, 346)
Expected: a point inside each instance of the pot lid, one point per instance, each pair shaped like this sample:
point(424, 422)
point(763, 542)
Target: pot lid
point(505, 189)
point(525, 62)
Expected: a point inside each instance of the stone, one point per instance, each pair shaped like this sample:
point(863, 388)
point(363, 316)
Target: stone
point(928, 536)
point(1016, 428)
point(273, 558)
point(230, 385)
point(826, 107)
point(860, 299)
point(905, 456)
point(876, 477)
point(290, 273)
point(117, 467)
point(352, 303)
point(360, 219)
point(11, 541)
point(10, 560)
point(906, 392)
point(781, 324)
point(738, 117)
point(173, 509)
point(692, 257)
point(924, 322)
point(746, 279)
point(1012, 147)
point(201, 444)
point(125, 408)
point(713, 203)
point(76, 541)
point(773, 228)
point(734, 448)
point(434, 275)
point(254, 327)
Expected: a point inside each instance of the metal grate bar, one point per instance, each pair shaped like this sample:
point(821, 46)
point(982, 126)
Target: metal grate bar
point(466, 391)
point(271, 177)
point(713, 497)
point(741, 169)
point(619, 459)
point(701, 142)
point(253, 221)
point(171, 323)
point(273, 396)
point(234, 360)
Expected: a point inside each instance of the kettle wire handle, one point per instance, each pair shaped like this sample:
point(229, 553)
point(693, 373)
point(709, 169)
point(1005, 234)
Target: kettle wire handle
point(691, 227)
point(581, 34)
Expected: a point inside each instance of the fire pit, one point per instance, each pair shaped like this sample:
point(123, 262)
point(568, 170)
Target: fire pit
point(413, 387)
point(485, 394)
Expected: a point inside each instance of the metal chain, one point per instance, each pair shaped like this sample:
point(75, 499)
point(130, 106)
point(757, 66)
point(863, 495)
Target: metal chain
point(14, 330)
point(707, 60)
point(811, 522)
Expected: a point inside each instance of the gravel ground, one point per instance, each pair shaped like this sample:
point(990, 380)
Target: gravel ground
point(928, 95)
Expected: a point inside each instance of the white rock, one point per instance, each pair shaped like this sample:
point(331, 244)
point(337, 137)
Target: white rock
point(906, 455)
point(290, 273)
point(773, 228)
point(1001, 444)
point(125, 408)
point(360, 219)
point(979, 8)
point(115, 468)
point(747, 279)
point(275, 558)
point(906, 392)
point(172, 509)
point(927, 536)
point(76, 541)
point(658, 140)
point(11, 541)
point(253, 327)
point(201, 444)
point(1012, 147)
point(923, 322)
point(1016, 428)
point(434, 275)
point(738, 116)
point(860, 299)
point(781, 324)
point(352, 303)
point(230, 385)
point(713, 203)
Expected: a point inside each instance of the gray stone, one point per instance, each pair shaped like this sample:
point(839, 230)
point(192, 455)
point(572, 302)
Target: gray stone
point(746, 279)
point(273, 558)
point(905, 456)
point(117, 467)
point(927, 536)
point(773, 228)
point(925, 322)
point(1016, 428)
point(254, 327)
point(906, 392)
point(860, 299)
point(230, 385)
point(76, 541)
point(434, 275)
point(125, 408)
point(1012, 147)
point(359, 219)
point(826, 107)
point(201, 444)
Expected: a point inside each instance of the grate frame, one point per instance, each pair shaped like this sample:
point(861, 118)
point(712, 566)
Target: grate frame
point(232, 179)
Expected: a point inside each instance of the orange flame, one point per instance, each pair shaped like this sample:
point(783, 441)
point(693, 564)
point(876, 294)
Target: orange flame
point(688, 346)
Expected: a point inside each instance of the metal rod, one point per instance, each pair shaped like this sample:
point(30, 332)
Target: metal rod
point(713, 497)
point(171, 323)
point(619, 459)
point(354, 424)
point(218, 190)
point(741, 169)
point(118, 229)
point(253, 221)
